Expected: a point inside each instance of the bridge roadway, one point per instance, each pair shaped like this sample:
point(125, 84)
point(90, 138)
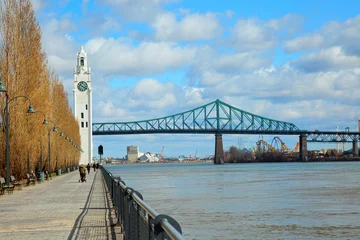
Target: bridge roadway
point(61, 208)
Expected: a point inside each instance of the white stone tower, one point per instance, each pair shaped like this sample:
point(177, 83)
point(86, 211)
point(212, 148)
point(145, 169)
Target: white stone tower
point(83, 105)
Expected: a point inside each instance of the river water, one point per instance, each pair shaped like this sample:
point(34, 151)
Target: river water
point(253, 201)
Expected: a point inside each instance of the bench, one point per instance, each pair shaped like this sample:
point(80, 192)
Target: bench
point(34, 176)
point(47, 175)
point(15, 183)
point(30, 179)
point(9, 188)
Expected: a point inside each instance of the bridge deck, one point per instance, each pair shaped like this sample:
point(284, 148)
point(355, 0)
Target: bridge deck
point(61, 208)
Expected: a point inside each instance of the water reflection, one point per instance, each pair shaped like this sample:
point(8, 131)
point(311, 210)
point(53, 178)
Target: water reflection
point(253, 201)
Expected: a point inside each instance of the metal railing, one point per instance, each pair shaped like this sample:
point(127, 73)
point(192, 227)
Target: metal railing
point(137, 219)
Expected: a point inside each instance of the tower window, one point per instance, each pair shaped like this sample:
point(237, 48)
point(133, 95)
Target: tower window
point(82, 124)
point(82, 115)
point(82, 61)
point(85, 106)
point(86, 124)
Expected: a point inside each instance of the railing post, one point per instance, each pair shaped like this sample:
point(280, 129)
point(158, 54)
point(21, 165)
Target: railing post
point(127, 205)
point(159, 232)
point(133, 214)
point(122, 206)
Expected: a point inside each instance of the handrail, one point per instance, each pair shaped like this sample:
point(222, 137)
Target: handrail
point(170, 230)
point(152, 224)
point(145, 206)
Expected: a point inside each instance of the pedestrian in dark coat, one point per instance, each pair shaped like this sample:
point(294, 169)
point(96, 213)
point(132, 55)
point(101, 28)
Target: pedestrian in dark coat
point(88, 168)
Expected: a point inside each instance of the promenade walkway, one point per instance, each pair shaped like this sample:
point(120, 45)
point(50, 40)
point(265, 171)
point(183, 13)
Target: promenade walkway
point(61, 208)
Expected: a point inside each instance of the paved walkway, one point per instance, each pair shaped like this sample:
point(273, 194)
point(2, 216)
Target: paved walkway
point(61, 208)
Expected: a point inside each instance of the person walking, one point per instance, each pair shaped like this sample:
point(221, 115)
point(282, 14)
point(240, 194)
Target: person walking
point(82, 171)
point(88, 168)
point(94, 166)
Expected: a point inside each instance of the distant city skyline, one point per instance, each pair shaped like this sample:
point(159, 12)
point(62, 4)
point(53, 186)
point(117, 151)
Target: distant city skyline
point(295, 61)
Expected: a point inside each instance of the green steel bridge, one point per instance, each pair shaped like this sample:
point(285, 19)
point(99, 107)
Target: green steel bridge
point(220, 118)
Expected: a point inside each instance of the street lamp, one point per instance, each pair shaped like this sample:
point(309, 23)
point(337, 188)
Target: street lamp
point(30, 110)
point(45, 122)
point(54, 130)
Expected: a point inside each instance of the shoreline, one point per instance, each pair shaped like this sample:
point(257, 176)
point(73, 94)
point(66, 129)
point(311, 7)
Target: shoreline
point(328, 159)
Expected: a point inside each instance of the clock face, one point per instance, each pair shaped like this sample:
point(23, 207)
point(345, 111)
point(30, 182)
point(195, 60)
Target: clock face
point(82, 86)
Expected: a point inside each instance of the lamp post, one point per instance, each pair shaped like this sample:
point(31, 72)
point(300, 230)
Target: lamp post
point(45, 122)
point(49, 148)
point(30, 110)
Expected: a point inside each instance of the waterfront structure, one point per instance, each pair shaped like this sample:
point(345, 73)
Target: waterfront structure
point(148, 157)
point(83, 105)
point(133, 153)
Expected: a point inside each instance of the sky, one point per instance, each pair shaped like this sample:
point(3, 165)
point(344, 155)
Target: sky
point(295, 61)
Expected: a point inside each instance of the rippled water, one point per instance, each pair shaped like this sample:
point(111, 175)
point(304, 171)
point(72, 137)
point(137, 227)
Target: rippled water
point(253, 201)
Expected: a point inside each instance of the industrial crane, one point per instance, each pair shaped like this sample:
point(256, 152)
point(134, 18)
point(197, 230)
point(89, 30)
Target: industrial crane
point(193, 159)
point(161, 154)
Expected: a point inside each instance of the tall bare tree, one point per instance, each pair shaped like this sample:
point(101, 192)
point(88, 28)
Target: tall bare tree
point(25, 72)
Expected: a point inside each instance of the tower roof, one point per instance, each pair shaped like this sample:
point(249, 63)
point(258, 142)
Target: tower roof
point(82, 51)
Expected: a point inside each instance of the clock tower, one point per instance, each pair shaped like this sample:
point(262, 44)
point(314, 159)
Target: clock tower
point(83, 105)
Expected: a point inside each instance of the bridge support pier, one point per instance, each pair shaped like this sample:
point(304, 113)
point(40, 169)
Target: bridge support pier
point(219, 150)
point(303, 152)
point(355, 148)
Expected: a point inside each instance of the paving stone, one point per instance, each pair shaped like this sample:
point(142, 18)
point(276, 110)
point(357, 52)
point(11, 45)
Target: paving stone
point(62, 208)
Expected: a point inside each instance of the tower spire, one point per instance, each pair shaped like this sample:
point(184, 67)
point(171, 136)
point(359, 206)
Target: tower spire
point(81, 66)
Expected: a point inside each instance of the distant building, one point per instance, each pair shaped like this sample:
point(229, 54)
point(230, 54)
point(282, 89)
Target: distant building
point(132, 153)
point(148, 157)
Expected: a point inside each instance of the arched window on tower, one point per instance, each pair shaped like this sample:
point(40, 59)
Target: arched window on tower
point(82, 61)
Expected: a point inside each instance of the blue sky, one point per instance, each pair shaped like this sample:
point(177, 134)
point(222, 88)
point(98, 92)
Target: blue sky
point(295, 61)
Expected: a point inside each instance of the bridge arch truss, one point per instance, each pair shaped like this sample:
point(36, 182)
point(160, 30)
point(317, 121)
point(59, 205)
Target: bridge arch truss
point(214, 117)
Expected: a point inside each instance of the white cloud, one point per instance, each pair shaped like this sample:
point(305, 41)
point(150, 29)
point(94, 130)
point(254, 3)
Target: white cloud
point(192, 27)
point(333, 58)
point(240, 61)
point(211, 67)
point(58, 44)
point(153, 94)
point(291, 23)
point(137, 10)
point(38, 4)
point(99, 24)
point(211, 78)
point(344, 34)
point(256, 35)
point(107, 109)
point(250, 35)
point(265, 71)
point(121, 57)
point(194, 96)
point(304, 43)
